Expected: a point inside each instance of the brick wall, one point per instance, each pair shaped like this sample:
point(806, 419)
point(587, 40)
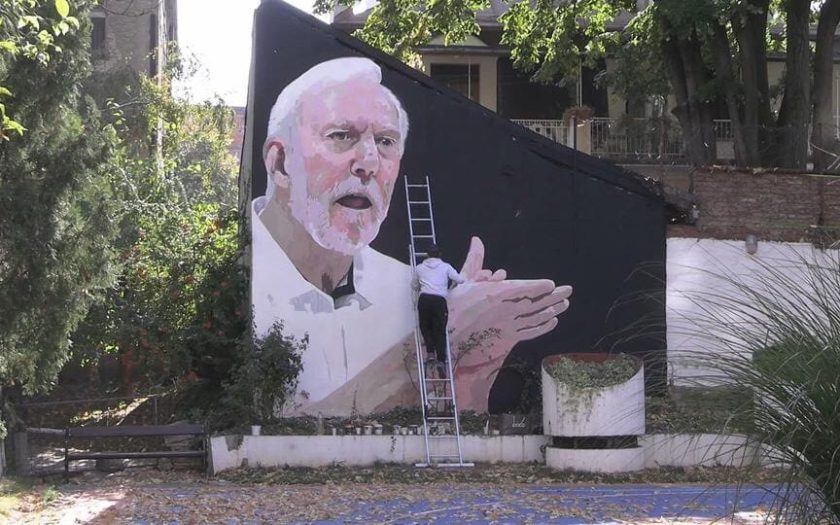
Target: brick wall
point(774, 205)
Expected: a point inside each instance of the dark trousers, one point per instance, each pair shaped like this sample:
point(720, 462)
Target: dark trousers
point(433, 315)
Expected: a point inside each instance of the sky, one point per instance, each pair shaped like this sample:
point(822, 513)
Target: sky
point(218, 33)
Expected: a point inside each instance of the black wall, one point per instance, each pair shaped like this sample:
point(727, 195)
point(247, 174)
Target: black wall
point(542, 210)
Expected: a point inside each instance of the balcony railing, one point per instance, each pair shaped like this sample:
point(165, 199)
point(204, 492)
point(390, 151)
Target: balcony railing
point(638, 140)
point(651, 140)
point(553, 129)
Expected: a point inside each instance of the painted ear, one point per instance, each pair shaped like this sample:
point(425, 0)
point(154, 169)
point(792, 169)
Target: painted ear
point(275, 163)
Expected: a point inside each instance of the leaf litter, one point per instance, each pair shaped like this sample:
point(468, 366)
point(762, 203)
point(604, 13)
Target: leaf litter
point(509, 493)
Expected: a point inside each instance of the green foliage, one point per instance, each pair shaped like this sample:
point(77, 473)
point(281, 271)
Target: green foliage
point(263, 377)
point(57, 206)
point(548, 39)
point(637, 69)
point(31, 30)
point(398, 27)
point(705, 54)
point(695, 410)
point(178, 304)
point(781, 328)
point(583, 374)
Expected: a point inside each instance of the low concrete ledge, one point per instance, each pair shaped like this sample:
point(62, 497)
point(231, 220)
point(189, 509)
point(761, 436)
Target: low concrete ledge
point(318, 451)
point(654, 450)
point(693, 450)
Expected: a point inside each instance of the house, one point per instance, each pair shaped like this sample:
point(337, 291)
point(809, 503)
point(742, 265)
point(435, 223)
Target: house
point(132, 33)
point(129, 38)
point(620, 130)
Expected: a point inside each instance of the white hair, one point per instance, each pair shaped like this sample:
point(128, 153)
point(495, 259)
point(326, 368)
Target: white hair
point(286, 109)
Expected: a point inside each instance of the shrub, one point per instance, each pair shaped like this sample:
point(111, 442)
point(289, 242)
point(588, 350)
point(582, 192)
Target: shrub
point(779, 326)
point(263, 378)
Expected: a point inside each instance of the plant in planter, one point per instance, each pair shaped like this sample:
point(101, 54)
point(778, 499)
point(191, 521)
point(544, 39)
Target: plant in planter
point(594, 401)
point(594, 394)
point(578, 113)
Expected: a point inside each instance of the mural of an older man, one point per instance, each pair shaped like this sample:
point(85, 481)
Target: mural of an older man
point(332, 155)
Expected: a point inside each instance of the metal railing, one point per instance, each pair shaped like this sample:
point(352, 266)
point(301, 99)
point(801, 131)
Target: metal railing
point(629, 139)
point(656, 140)
point(637, 139)
point(552, 129)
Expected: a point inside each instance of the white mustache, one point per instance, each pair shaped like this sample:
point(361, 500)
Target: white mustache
point(354, 186)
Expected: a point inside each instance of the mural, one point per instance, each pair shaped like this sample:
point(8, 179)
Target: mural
point(332, 153)
point(333, 128)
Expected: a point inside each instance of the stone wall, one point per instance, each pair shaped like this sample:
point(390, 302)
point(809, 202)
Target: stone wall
point(771, 204)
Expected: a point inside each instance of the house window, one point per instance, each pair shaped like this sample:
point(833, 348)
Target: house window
point(97, 33)
point(462, 78)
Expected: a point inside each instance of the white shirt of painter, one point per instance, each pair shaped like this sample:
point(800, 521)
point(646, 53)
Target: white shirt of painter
point(346, 334)
point(433, 276)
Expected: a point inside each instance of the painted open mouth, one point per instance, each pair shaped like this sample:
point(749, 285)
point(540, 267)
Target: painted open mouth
point(355, 202)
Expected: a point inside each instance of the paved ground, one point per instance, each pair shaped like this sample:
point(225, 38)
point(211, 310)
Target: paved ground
point(166, 498)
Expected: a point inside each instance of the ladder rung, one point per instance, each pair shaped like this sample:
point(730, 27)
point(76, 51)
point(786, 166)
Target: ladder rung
point(416, 185)
point(449, 398)
point(441, 418)
point(419, 202)
point(444, 456)
point(424, 236)
point(425, 219)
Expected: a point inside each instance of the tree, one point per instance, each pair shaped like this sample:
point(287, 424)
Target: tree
point(178, 303)
point(824, 127)
point(709, 50)
point(29, 28)
point(57, 207)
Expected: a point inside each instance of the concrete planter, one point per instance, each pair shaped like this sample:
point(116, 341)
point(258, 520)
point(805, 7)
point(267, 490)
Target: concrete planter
point(617, 410)
point(605, 461)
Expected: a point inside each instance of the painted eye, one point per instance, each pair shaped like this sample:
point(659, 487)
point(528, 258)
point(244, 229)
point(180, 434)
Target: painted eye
point(385, 141)
point(339, 135)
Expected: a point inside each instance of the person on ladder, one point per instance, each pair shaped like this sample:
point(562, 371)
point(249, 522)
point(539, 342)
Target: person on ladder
point(433, 277)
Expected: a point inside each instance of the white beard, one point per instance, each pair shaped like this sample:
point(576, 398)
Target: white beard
point(313, 213)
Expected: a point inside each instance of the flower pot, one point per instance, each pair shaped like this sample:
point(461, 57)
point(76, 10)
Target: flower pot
point(616, 410)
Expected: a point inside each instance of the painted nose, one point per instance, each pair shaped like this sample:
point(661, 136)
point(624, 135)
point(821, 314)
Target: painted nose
point(366, 161)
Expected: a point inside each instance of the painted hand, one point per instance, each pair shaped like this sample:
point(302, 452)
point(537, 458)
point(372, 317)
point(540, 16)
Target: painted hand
point(488, 316)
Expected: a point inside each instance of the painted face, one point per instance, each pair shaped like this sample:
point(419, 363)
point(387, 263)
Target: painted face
point(342, 163)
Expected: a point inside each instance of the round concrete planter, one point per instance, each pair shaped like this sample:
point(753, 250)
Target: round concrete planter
point(595, 460)
point(617, 410)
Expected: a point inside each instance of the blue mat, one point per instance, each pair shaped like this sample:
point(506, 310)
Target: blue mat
point(564, 505)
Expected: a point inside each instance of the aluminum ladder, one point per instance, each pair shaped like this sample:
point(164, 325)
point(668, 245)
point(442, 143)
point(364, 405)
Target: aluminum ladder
point(441, 423)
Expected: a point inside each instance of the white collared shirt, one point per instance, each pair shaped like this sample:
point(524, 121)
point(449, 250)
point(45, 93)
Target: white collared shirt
point(346, 334)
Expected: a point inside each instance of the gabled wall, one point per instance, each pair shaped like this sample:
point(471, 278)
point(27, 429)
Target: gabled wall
point(543, 210)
